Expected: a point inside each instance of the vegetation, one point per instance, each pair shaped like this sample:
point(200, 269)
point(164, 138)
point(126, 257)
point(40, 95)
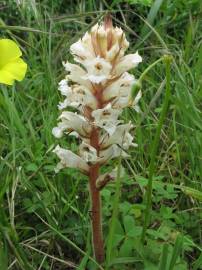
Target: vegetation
point(44, 217)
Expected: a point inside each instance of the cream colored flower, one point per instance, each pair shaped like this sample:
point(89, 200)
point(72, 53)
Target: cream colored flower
point(118, 137)
point(127, 62)
point(120, 87)
point(88, 152)
point(111, 152)
point(76, 74)
point(64, 88)
point(78, 96)
point(69, 160)
point(82, 49)
point(98, 70)
point(72, 122)
point(106, 118)
point(98, 87)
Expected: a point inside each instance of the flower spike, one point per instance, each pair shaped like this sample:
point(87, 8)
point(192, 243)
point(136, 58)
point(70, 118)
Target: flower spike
point(98, 88)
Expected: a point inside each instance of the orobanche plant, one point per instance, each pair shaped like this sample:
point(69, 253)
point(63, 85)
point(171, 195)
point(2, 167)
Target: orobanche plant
point(98, 87)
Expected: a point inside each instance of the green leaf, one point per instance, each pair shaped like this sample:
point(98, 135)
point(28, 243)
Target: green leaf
point(135, 231)
point(31, 167)
point(125, 207)
point(117, 239)
point(126, 248)
point(124, 260)
point(118, 228)
point(129, 223)
point(151, 16)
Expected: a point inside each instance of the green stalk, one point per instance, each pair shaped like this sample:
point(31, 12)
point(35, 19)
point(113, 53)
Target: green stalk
point(138, 85)
point(150, 67)
point(114, 216)
point(155, 143)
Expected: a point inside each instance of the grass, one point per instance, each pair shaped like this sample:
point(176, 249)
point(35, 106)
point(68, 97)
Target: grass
point(44, 218)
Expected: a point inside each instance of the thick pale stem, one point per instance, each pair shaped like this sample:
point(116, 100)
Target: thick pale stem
point(96, 214)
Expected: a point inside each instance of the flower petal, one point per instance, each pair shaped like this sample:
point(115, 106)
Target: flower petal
point(76, 74)
point(64, 88)
point(118, 137)
point(120, 87)
point(9, 51)
point(71, 122)
point(98, 69)
point(68, 159)
point(82, 49)
point(111, 152)
point(107, 118)
point(88, 152)
point(127, 62)
point(13, 71)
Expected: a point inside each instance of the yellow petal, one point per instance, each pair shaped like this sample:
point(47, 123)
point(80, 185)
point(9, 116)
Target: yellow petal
point(9, 51)
point(6, 78)
point(14, 70)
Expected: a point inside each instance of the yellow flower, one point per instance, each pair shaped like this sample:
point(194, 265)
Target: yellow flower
point(12, 67)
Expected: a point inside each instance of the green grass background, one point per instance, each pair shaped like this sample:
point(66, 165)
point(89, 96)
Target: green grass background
point(44, 218)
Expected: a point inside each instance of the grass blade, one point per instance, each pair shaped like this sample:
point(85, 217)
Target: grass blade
point(164, 258)
point(154, 149)
point(176, 251)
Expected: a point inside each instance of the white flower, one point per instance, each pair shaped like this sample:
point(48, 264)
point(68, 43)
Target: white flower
point(118, 45)
point(98, 70)
point(64, 104)
point(120, 102)
point(107, 118)
point(123, 102)
point(121, 136)
point(128, 141)
point(136, 100)
point(82, 49)
point(64, 88)
point(82, 96)
point(69, 160)
point(111, 152)
point(79, 95)
point(113, 52)
point(120, 87)
point(88, 152)
point(76, 123)
point(72, 122)
point(127, 62)
point(57, 132)
point(76, 74)
point(87, 42)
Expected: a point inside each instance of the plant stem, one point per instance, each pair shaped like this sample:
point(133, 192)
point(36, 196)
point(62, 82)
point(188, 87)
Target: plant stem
point(155, 143)
point(96, 207)
point(148, 69)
